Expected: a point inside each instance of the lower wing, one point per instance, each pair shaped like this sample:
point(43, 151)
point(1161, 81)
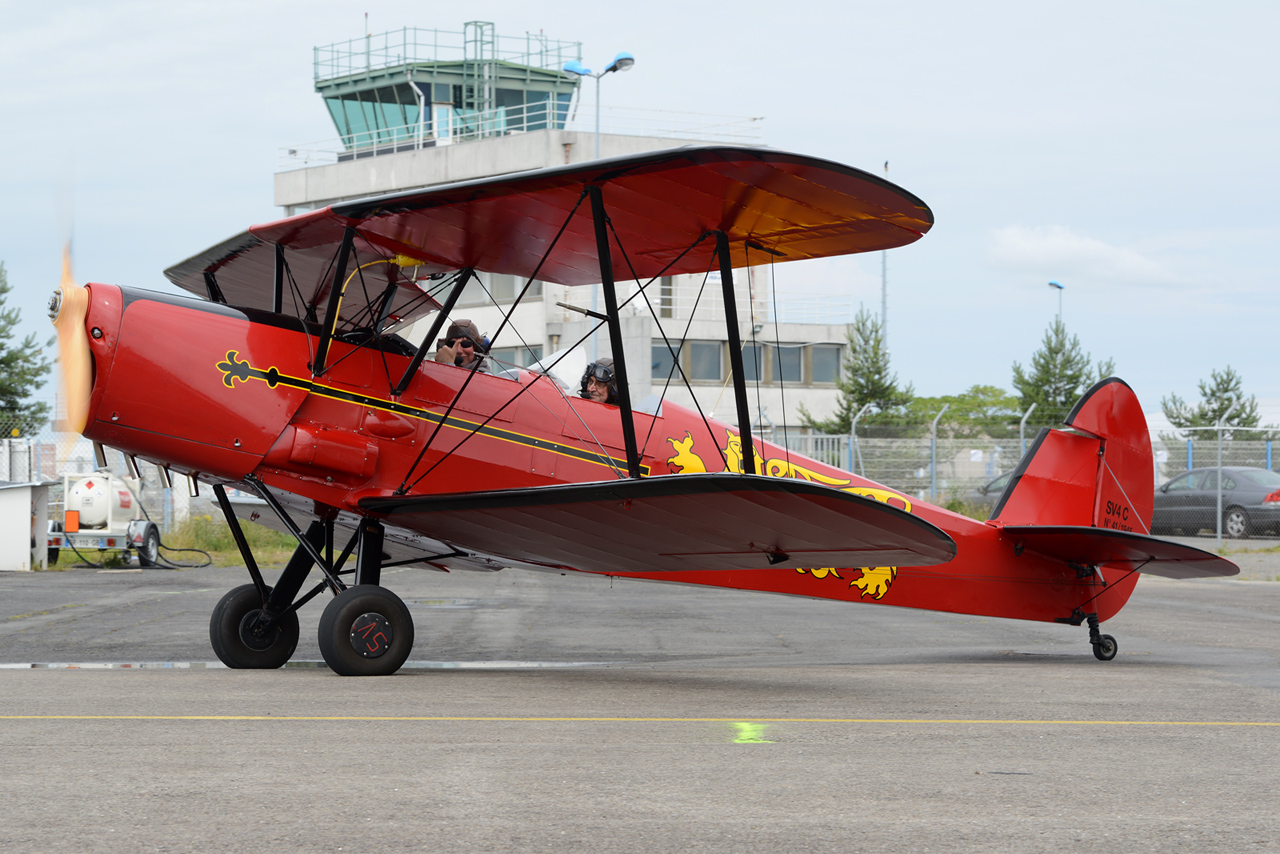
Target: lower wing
point(675, 523)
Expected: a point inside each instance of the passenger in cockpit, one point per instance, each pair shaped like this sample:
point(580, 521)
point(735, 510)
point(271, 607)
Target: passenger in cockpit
point(599, 382)
point(464, 346)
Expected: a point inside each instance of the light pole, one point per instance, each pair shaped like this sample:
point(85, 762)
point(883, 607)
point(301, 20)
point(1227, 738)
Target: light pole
point(1060, 290)
point(621, 62)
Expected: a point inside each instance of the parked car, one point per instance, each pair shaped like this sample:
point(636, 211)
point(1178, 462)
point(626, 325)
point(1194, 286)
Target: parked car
point(986, 496)
point(1188, 503)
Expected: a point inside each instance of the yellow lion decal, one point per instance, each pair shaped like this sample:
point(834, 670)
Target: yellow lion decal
point(873, 581)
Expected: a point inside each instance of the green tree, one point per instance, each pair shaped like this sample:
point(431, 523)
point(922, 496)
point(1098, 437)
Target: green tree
point(866, 378)
point(983, 410)
point(1216, 396)
point(1059, 373)
point(23, 369)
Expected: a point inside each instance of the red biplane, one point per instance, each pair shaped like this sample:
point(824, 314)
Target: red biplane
point(286, 379)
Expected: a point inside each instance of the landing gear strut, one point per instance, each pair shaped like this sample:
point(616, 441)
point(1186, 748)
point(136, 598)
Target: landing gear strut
point(366, 630)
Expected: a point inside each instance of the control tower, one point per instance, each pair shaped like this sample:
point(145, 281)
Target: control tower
point(420, 88)
point(415, 107)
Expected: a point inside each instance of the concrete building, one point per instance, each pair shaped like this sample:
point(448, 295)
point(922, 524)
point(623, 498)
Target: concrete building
point(417, 108)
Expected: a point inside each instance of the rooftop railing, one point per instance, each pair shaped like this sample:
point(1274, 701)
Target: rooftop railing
point(461, 126)
point(413, 45)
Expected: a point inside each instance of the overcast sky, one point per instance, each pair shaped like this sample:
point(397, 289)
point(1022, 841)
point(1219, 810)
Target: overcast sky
point(1125, 149)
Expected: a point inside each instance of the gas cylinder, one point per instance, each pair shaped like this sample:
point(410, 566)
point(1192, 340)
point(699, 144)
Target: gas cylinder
point(100, 497)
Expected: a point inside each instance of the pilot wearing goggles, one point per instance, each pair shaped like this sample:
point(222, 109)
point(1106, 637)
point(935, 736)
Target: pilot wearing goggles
point(463, 346)
point(599, 383)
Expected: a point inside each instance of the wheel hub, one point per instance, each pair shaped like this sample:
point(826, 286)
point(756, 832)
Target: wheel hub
point(371, 635)
point(253, 635)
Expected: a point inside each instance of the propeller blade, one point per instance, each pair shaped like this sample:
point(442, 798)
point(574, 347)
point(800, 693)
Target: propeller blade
point(67, 310)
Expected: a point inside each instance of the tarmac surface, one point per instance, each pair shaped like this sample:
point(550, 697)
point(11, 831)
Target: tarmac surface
point(562, 713)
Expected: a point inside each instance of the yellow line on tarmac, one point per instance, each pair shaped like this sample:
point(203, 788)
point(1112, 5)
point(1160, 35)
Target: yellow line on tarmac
point(556, 719)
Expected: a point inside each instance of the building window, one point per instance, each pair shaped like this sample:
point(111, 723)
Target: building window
point(666, 297)
point(662, 364)
point(706, 360)
point(503, 287)
point(825, 363)
point(753, 362)
point(787, 363)
point(520, 357)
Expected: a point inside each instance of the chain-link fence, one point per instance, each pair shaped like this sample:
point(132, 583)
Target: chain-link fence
point(933, 463)
point(942, 463)
point(53, 456)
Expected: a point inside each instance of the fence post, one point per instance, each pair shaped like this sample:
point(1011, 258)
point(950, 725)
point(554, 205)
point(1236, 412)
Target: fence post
point(1268, 455)
point(1221, 421)
point(1190, 460)
point(855, 452)
point(933, 455)
point(1022, 427)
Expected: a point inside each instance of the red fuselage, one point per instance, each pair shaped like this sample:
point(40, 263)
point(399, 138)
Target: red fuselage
point(225, 393)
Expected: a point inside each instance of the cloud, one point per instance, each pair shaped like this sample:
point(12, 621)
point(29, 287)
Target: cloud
point(1055, 251)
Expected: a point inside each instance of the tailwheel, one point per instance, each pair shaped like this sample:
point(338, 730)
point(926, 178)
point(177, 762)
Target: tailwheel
point(1104, 646)
point(366, 630)
point(242, 636)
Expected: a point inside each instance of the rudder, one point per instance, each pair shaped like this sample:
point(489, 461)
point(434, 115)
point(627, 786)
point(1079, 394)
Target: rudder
point(1098, 474)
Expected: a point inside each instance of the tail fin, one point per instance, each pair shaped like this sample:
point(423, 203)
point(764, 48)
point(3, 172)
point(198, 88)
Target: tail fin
point(1097, 475)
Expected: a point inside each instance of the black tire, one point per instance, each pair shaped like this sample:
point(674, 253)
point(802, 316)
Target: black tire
point(53, 555)
point(1106, 648)
point(374, 617)
point(149, 551)
point(228, 630)
point(1235, 524)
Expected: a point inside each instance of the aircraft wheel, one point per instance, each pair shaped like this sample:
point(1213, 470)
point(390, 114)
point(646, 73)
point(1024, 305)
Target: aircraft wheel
point(235, 644)
point(149, 551)
point(1106, 648)
point(366, 630)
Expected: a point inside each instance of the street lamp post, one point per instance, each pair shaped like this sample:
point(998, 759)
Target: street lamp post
point(1060, 290)
point(621, 62)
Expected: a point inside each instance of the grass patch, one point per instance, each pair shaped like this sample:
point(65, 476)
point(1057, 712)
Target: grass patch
point(966, 508)
point(270, 548)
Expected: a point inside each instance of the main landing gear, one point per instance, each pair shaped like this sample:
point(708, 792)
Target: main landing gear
point(365, 630)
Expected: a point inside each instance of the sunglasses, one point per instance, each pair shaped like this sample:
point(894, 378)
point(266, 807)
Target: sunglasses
point(465, 342)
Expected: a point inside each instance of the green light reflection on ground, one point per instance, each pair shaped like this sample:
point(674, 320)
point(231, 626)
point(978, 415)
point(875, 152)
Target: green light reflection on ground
point(749, 733)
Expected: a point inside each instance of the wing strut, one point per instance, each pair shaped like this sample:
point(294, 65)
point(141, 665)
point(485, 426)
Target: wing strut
point(211, 285)
point(615, 330)
point(277, 290)
point(335, 300)
point(735, 354)
point(436, 325)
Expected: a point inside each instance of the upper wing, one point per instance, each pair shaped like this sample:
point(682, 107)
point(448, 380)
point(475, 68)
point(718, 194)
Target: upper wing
point(1090, 546)
point(786, 205)
point(244, 269)
point(675, 522)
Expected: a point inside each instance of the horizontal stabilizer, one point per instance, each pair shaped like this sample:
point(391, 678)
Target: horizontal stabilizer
point(1092, 546)
point(675, 523)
